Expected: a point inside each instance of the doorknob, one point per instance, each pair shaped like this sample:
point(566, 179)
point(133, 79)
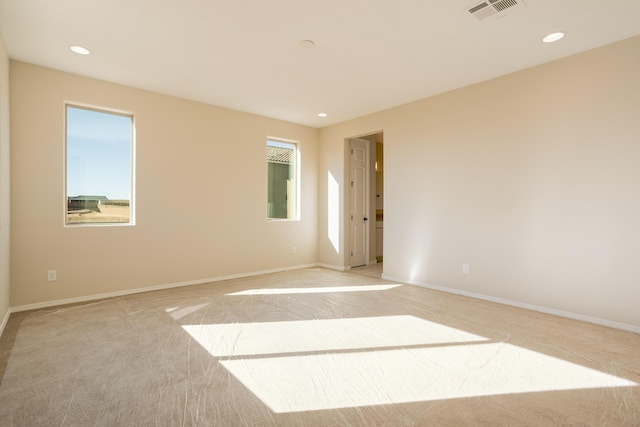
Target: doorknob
point(366, 219)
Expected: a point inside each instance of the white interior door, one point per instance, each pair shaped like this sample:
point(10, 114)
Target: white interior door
point(358, 202)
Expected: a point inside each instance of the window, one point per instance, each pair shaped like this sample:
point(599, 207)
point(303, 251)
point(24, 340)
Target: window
point(99, 166)
point(282, 180)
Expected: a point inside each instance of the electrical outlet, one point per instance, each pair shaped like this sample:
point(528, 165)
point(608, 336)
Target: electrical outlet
point(465, 268)
point(52, 275)
point(294, 250)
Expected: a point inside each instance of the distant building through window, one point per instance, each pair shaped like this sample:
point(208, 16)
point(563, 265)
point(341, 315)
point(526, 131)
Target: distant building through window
point(282, 180)
point(99, 166)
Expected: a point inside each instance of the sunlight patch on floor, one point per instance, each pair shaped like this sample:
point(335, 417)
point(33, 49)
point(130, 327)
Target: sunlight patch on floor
point(315, 290)
point(341, 380)
point(178, 313)
point(268, 338)
point(306, 365)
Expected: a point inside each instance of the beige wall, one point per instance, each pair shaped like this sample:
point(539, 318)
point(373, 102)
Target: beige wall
point(200, 185)
point(4, 184)
point(532, 179)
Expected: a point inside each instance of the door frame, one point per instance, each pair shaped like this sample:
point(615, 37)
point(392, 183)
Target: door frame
point(346, 210)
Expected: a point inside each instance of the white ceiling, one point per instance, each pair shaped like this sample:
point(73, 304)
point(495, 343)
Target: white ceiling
point(369, 55)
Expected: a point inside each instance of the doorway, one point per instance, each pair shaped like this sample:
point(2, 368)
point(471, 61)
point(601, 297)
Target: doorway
point(358, 202)
point(366, 199)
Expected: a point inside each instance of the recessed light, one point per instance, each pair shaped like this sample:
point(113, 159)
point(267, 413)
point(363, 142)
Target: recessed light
point(322, 114)
point(553, 37)
point(80, 50)
point(307, 44)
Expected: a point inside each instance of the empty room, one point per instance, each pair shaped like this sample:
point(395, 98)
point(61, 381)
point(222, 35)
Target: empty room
point(226, 213)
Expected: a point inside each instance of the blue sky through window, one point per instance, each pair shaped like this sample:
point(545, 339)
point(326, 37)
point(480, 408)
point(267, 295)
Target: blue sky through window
point(98, 154)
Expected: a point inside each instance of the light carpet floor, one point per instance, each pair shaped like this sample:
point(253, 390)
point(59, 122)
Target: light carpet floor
point(313, 347)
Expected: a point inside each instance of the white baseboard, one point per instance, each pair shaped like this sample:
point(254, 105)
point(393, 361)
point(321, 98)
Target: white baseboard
point(567, 314)
point(344, 267)
point(5, 320)
point(570, 315)
point(334, 267)
point(94, 297)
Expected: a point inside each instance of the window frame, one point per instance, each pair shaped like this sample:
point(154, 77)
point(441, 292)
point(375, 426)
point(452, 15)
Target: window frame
point(297, 178)
point(132, 165)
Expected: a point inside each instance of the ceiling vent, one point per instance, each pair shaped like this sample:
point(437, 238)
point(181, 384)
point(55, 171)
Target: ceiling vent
point(488, 8)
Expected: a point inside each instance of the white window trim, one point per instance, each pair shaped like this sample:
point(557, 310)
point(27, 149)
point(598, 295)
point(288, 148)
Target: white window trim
point(132, 166)
point(298, 168)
